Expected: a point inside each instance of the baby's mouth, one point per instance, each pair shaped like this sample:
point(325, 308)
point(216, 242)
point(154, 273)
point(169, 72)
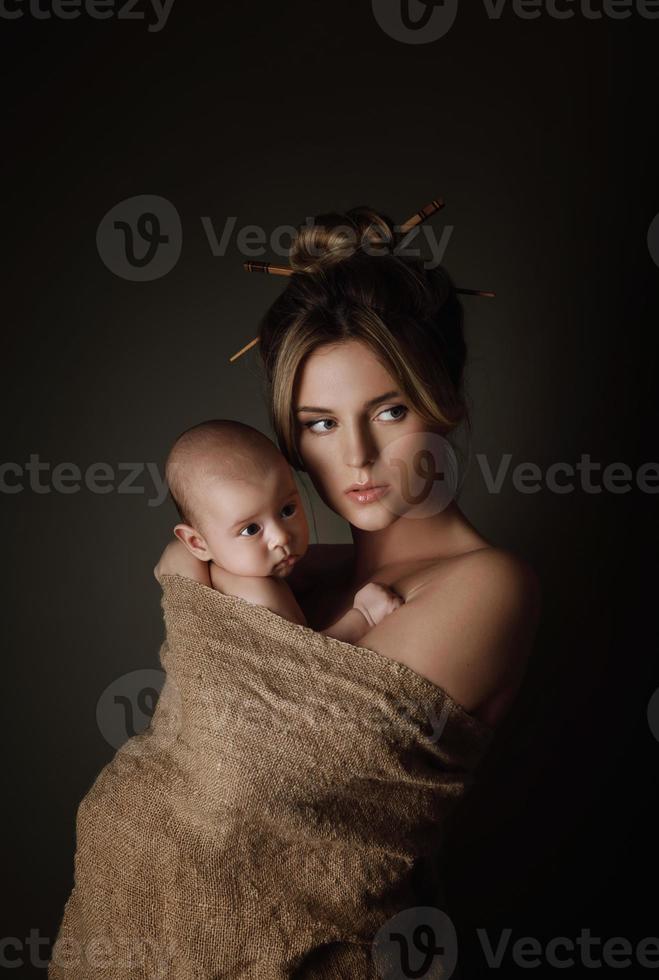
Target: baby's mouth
point(286, 563)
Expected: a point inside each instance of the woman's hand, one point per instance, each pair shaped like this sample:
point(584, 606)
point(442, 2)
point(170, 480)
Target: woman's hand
point(177, 560)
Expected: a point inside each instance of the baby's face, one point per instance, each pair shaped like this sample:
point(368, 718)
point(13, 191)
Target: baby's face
point(249, 528)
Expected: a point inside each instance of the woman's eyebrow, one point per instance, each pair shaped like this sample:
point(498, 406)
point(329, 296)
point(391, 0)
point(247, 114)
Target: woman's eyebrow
point(369, 404)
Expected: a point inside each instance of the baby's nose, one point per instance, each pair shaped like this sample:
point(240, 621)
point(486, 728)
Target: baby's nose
point(280, 536)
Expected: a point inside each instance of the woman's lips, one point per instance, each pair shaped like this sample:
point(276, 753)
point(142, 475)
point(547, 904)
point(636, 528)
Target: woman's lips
point(367, 496)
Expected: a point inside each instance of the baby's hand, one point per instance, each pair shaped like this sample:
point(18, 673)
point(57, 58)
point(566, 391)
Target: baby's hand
point(376, 601)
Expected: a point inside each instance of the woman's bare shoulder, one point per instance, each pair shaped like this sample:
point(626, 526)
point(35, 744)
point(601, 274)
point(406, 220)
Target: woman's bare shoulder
point(490, 563)
point(491, 582)
point(473, 622)
point(497, 562)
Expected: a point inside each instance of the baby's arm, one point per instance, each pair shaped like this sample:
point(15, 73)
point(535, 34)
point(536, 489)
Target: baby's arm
point(370, 606)
point(273, 593)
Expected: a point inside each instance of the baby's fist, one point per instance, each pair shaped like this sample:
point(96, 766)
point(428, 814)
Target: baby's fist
point(376, 601)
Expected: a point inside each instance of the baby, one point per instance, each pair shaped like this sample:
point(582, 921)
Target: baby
point(240, 510)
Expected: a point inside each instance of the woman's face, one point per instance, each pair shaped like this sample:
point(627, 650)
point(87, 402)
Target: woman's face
point(354, 425)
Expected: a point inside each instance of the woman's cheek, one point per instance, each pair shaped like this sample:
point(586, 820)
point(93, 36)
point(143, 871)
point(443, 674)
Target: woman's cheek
point(322, 469)
point(421, 468)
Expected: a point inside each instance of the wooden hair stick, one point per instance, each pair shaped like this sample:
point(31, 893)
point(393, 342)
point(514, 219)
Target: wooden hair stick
point(285, 270)
point(422, 215)
point(416, 219)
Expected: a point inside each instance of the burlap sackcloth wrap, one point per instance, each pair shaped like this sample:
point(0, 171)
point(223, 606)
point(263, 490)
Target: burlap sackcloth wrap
point(288, 798)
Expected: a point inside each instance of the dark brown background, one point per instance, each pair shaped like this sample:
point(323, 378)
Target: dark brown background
point(541, 136)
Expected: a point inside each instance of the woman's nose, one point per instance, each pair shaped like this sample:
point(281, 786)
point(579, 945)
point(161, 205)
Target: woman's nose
point(360, 450)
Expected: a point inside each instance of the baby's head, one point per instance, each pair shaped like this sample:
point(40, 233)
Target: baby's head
point(237, 499)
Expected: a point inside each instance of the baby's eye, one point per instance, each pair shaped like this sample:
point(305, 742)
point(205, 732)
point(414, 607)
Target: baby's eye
point(291, 508)
point(242, 533)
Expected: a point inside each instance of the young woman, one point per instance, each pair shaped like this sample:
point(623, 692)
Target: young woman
point(364, 356)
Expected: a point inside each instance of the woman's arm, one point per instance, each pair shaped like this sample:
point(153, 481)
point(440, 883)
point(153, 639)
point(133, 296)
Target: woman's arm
point(372, 603)
point(470, 633)
point(350, 628)
point(177, 560)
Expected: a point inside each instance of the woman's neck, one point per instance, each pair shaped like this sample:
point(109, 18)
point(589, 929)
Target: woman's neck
point(408, 540)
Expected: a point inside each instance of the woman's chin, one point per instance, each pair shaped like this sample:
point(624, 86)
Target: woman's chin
point(368, 517)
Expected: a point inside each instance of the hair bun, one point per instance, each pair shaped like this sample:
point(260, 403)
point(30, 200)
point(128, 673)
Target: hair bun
point(334, 238)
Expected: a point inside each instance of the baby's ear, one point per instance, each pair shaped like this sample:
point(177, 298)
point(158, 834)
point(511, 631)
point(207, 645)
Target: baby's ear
point(193, 541)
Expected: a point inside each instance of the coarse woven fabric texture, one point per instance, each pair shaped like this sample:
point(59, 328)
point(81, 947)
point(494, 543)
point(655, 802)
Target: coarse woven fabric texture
point(289, 797)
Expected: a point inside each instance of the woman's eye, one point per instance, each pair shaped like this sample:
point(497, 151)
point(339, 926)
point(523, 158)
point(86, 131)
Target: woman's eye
point(310, 425)
point(395, 409)
point(242, 533)
point(291, 508)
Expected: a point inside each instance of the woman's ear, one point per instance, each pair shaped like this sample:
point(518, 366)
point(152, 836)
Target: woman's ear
point(193, 541)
